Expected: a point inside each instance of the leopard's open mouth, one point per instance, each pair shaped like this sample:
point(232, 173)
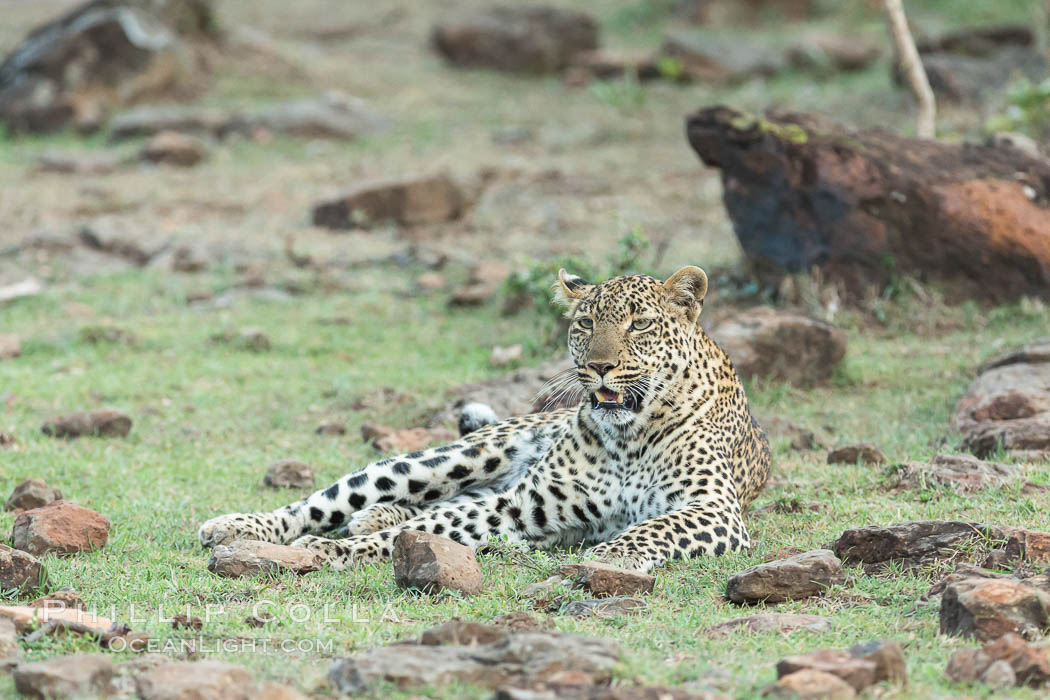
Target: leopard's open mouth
point(609, 399)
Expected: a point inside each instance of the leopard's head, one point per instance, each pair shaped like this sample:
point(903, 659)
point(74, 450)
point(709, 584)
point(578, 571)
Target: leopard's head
point(631, 338)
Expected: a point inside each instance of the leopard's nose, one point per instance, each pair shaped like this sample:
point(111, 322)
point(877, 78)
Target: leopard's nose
point(602, 367)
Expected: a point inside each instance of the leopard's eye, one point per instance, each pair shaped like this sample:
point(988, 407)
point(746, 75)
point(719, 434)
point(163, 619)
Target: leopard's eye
point(586, 323)
point(641, 324)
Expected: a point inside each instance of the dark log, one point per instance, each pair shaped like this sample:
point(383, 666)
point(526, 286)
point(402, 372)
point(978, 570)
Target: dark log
point(865, 206)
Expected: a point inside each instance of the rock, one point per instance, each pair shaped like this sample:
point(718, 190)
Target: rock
point(289, 473)
point(1008, 405)
point(604, 607)
point(811, 684)
point(74, 676)
point(332, 115)
point(957, 214)
point(60, 527)
point(1030, 665)
point(273, 691)
point(1031, 545)
point(967, 665)
point(823, 53)
point(519, 659)
point(989, 608)
point(253, 557)
point(606, 64)
point(344, 677)
point(486, 278)
point(859, 673)
point(8, 640)
point(516, 38)
point(434, 564)
point(151, 120)
point(911, 544)
point(173, 148)
point(28, 287)
point(97, 56)
point(186, 259)
point(801, 576)
point(504, 356)
point(29, 618)
point(888, 658)
point(722, 61)
point(183, 680)
point(330, 428)
point(784, 623)
point(864, 453)
point(570, 685)
point(100, 423)
point(32, 493)
point(410, 440)
point(465, 633)
point(428, 199)
point(64, 599)
point(20, 571)
point(779, 427)
point(764, 342)
point(10, 346)
point(603, 579)
point(964, 474)
point(78, 163)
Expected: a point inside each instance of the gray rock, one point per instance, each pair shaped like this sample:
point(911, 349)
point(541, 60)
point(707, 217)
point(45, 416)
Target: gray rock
point(183, 680)
point(252, 557)
point(32, 493)
point(75, 676)
point(289, 473)
point(605, 579)
point(8, 639)
point(964, 474)
point(858, 672)
point(911, 544)
point(332, 115)
point(20, 571)
point(605, 607)
point(801, 576)
point(888, 658)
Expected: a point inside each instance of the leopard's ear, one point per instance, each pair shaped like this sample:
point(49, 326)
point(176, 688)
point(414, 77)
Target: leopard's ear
point(569, 289)
point(686, 290)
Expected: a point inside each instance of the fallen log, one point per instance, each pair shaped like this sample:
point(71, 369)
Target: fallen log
point(865, 206)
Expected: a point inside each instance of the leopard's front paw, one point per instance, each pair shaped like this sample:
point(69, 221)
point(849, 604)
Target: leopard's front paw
point(227, 528)
point(632, 561)
point(326, 549)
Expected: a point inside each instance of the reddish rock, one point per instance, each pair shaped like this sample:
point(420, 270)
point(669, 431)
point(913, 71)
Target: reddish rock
point(486, 278)
point(606, 580)
point(252, 558)
point(20, 571)
point(858, 672)
point(74, 676)
point(765, 342)
point(60, 527)
point(990, 608)
point(173, 148)
point(1031, 545)
point(784, 623)
point(1008, 405)
point(100, 423)
point(65, 599)
point(183, 680)
point(1030, 664)
point(911, 544)
point(434, 564)
point(516, 38)
point(430, 199)
point(888, 658)
point(465, 633)
point(804, 193)
point(965, 474)
point(811, 684)
point(32, 493)
point(801, 576)
point(865, 453)
point(289, 473)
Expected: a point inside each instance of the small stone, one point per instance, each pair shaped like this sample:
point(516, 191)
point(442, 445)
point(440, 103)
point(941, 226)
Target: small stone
point(65, 599)
point(967, 665)
point(411, 201)
point(605, 607)
point(988, 608)
point(434, 564)
point(964, 474)
point(1030, 664)
point(999, 676)
point(8, 640)
point(183, 680)
point(888, 658)
point(801, 576)
point(505, 356)
point(289, 473)
point(345, 678)
point(865, 453)
point(603, 579)
point(10, 346)
point(30, 494)
point(74, 676)
point(859, 673)
point(252, 557)
point(60, 527)
point(1031, 545)
point(461, 632)
point(331, 428)
point(784, 623)
point(100, 423)
point(810, 684)
point(486, 278)
point(173, 148)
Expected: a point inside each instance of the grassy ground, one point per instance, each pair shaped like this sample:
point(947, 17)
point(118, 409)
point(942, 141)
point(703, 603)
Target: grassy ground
point(209, 417)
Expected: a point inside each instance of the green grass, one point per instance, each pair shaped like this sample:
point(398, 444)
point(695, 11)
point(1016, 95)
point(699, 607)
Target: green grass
point(209, 418)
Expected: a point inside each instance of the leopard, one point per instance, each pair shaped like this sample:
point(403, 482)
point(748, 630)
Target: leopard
point(656, 458)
